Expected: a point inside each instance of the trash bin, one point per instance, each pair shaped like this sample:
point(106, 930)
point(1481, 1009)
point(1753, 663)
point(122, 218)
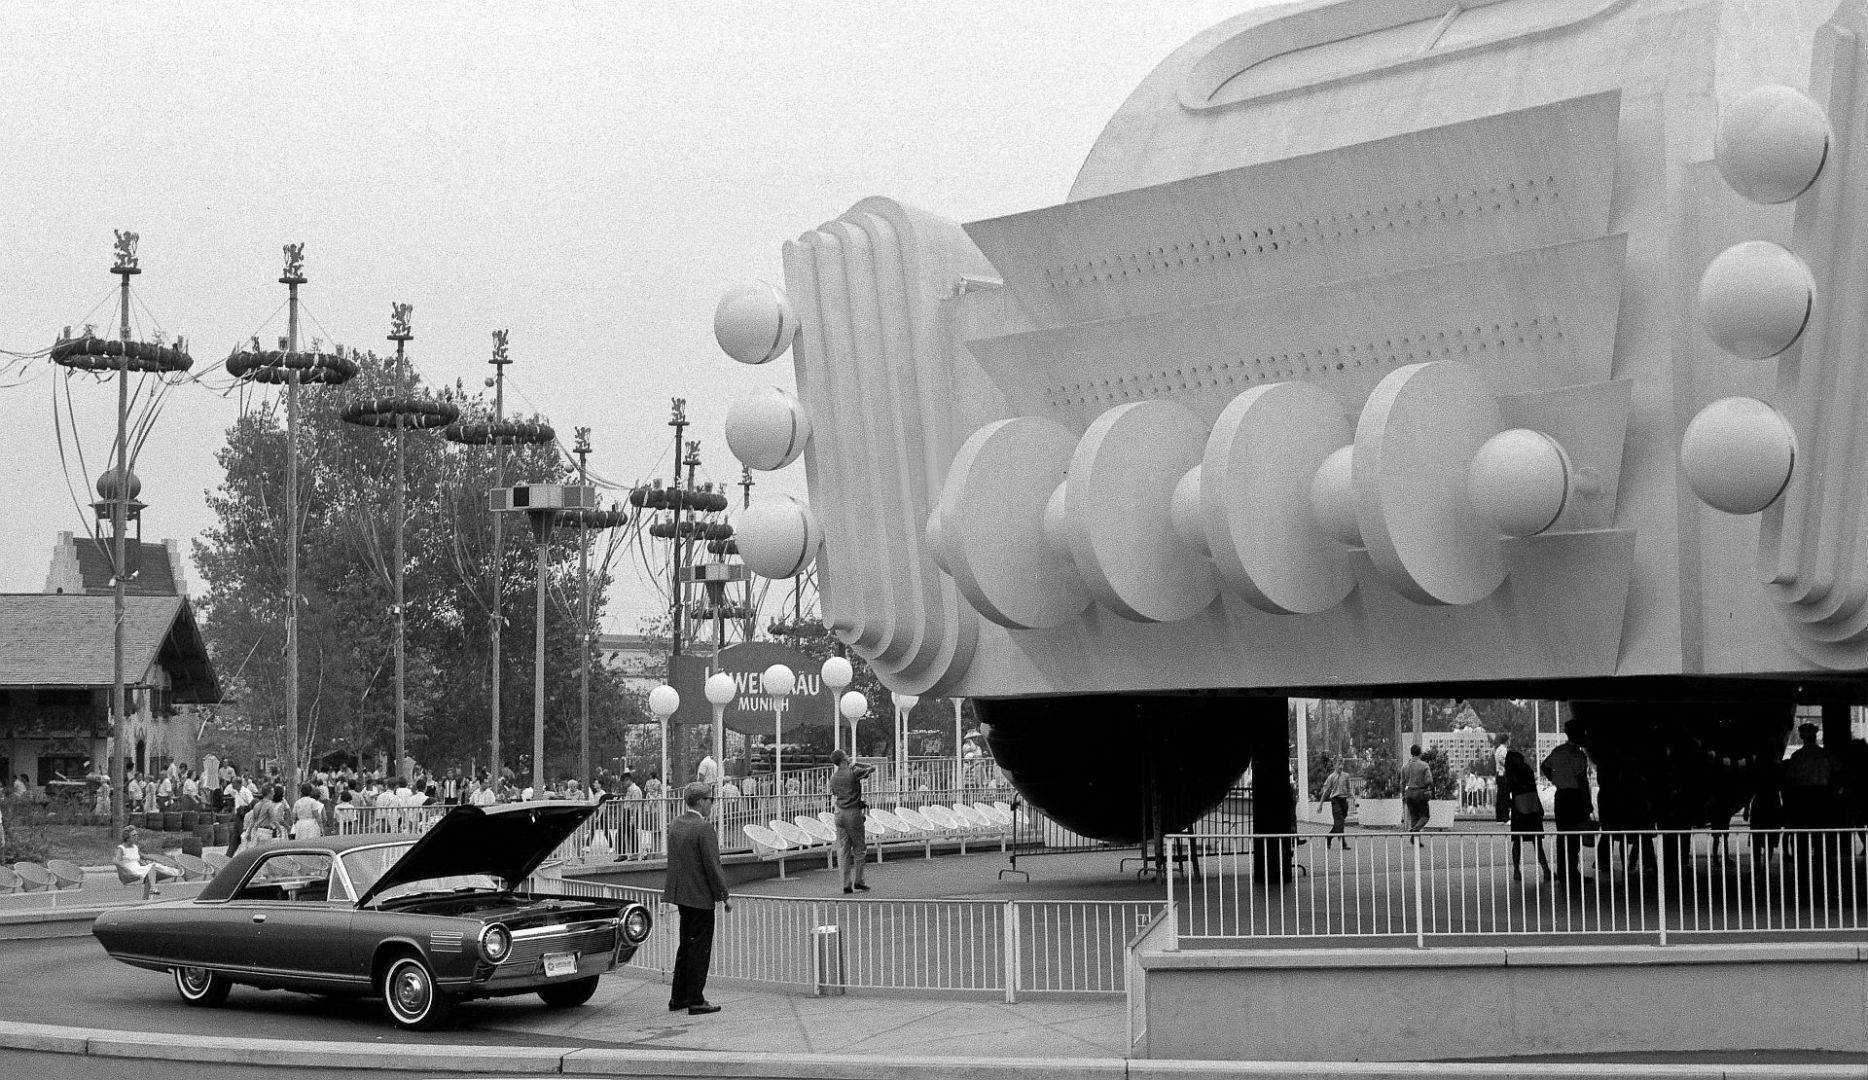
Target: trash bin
point(826, 960)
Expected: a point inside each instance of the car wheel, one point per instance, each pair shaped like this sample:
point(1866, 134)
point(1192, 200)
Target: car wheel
point(569, 995)
point(413, 999)
point(200, 986)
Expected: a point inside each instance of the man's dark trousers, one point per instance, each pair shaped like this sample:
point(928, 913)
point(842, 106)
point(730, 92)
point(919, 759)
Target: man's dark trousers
point(1572, 807)
point(692, 957)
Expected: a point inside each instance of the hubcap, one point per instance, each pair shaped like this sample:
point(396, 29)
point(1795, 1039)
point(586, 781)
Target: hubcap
point(411, 990)
point(195, 979)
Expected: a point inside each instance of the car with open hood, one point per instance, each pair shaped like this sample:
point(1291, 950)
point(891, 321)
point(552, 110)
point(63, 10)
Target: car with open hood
point(420, 921)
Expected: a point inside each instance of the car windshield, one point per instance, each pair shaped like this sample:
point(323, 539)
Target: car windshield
point(366, 865)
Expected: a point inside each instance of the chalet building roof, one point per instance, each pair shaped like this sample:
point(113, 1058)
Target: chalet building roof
point(81, 564)
point(65, 640)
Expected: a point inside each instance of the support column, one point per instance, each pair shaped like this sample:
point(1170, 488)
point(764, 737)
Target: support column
point(1274, 807)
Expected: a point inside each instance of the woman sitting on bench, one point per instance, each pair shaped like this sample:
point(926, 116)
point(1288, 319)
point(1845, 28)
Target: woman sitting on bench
point(131, 868)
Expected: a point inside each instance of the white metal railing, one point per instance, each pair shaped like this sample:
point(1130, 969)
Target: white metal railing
point(1418, 888)
point(830, 946)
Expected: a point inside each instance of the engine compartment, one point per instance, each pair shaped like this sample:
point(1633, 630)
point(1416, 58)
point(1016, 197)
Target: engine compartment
point(516, 910)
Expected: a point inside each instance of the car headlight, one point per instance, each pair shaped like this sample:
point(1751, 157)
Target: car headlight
point(636, 925)
point(495, 943)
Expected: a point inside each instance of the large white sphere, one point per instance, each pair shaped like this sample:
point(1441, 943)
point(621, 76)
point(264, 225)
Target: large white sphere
point(905, 702)
point(1333, 497)
point(777, 536)
point(853, 706)
point(1519, 481)
point(754, 323)
point(767, 429)
point(778, 680)
point(1755, 299)
point(1738, 455)
point(837, 673)
point(664, 700)
point(1772, 144)
point(721, 689)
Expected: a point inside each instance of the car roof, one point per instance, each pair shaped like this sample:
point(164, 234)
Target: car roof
point(230, 876)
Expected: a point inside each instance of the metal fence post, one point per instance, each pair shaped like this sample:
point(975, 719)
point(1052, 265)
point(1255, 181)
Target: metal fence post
point(1660, 880)
point(1011, 951)
point(1420, 912)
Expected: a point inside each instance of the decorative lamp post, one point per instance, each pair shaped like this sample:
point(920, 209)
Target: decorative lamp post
point(663, 701)
point(117, 489)
point(959, 759)
point(291, 367)
point(543, 505)
point(720, 693)
point(837, 674)
point(498, 433)
point(400, 413)
point(854, 707)
point(778, 681)
point(904, 704)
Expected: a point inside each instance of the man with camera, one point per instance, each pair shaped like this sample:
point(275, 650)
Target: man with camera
point(846, 796)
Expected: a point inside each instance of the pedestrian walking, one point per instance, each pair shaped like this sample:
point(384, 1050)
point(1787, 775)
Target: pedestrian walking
point(1416, 784)
point(1527, 812)
point(846, 795)
point(1567, 767)
point(694, 884)
point(1336, 792)
point(1501, 798)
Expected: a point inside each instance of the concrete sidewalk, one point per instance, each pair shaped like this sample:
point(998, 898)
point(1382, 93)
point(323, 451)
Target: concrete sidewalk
point(626, 1030)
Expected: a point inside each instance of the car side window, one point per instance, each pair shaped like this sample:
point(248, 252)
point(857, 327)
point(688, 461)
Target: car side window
point(297, 878)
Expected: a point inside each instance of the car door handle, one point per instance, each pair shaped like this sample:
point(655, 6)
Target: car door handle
point(261, 917)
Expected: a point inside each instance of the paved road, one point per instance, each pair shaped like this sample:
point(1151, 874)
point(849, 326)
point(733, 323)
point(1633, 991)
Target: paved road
point(71, 981)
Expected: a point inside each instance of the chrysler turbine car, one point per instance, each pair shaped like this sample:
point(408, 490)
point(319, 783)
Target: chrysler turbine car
point(421, 921)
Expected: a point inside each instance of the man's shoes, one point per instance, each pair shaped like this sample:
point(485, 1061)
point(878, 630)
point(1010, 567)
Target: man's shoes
point(677, 1007)
point(846, 889)
point(860, 887)
point(702, 1010)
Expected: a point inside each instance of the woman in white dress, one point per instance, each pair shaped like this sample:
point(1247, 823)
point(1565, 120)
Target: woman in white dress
point(307, 814)
point(131, 868)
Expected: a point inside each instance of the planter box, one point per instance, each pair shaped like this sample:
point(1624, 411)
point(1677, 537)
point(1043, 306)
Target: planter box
point(1441, 812)
point(1378, 813)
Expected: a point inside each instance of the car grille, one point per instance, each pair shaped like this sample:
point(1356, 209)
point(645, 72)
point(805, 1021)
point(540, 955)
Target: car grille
point(588, 938)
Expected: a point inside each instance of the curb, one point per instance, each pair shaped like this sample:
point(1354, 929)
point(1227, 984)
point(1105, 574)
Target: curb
point(446, 1059)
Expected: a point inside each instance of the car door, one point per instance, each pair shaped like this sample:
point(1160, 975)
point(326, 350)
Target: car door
point(302, 928)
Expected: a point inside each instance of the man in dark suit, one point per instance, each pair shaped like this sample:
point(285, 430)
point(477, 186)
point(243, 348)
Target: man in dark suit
point(694, 885)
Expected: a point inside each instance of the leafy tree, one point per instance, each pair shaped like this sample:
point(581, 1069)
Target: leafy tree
point(347, 621)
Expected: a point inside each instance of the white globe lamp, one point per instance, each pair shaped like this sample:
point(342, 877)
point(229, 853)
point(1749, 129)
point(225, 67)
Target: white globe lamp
point(720, 691)
point(854, 707)
point(904, 704)
point(836, 674)
point(664, 700)
point(778, 681)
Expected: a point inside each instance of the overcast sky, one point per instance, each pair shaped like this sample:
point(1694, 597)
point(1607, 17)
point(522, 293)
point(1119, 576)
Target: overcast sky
point(589, 176)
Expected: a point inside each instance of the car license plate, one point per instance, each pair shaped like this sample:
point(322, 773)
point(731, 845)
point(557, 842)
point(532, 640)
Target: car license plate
point(560, 963)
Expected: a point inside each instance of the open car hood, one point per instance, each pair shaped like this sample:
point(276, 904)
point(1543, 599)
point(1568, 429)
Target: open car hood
point(506, 842)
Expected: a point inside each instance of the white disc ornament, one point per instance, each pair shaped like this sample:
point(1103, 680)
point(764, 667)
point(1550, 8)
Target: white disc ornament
point(767, 429)
point(1415, 439)
point(754, 323)
point(1519, 481)
point(1738, 455)
point(1772, 144)
point(1119, 512)
point(777, 536)
point(989, 524)
point(1260, 463)
point(1755, 298)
